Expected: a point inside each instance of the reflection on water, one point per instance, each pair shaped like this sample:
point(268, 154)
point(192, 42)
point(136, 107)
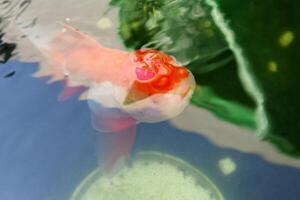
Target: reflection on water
point(9, 12)
point(48, 147)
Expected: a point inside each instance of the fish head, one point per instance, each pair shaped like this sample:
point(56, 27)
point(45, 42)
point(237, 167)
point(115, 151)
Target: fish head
point(161, 87)
point(158, 73)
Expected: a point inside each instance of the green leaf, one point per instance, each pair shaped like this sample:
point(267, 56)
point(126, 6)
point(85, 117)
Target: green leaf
point(232, 111)
point(263, 36)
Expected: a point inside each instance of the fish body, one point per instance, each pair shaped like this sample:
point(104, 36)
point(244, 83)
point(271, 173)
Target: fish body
point(147, 84)
point(122, 88)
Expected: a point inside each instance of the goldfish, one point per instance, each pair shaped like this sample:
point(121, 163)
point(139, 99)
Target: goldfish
point(122, 88)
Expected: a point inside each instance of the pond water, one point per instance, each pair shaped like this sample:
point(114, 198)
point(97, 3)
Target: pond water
point(52, 150)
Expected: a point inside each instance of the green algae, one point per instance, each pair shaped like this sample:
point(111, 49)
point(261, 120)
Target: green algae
point(152, 175)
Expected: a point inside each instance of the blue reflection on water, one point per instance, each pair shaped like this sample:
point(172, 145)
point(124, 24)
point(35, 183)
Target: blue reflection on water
point(48, 147)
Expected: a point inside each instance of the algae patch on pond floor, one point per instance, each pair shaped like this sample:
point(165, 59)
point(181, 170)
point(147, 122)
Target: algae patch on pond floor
point(151, 176)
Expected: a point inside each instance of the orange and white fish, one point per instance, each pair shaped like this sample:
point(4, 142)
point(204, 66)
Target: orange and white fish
point(122, 88)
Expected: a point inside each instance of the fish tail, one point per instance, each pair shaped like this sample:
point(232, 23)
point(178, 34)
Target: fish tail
point(114, 149)
point(116, 136)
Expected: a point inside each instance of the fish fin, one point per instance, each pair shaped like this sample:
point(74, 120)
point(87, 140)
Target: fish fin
point(70, 38)
point(116, 136)
point(114, 149)
point(68, 92)
point(66, 54)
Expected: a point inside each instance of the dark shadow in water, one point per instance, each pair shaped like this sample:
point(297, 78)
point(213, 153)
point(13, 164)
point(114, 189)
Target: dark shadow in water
point(6, 49)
